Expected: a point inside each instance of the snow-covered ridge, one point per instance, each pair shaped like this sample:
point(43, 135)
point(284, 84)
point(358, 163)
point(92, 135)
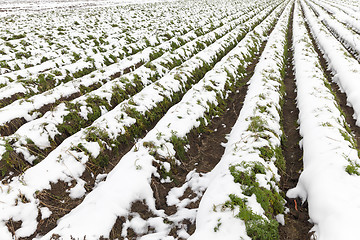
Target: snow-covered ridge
point(189, 39)
point(349, 38)
point(344, 67)
point(137, 164)
point(330, 156)
point(346, 18)
point(252, 157)
point(42, 132)
point(349, 7)
point(57, 165)
point(90, 49)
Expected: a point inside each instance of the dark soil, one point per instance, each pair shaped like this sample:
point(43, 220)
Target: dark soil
point(57, 200)
point(204, 153)
point(8, 100)
point(11, 127)
point(15, 124)
point(296, 225)
point(13, 225)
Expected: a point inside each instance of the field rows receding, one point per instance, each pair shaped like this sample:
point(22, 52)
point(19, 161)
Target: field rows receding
point(166, 120)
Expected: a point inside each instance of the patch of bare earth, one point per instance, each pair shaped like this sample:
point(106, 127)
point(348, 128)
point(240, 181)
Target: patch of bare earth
point(296, 226)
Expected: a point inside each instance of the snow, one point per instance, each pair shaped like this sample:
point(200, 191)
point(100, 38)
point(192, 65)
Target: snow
point(136, 165)
point(78, 191)
point(240, 149)
point(45, 212)
point(332, 194)
point(41, 130)
point(344, 67)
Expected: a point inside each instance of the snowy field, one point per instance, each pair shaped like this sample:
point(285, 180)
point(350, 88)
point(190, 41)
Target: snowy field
point(165, 119)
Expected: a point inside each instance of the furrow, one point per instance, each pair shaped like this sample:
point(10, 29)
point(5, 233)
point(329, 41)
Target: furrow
point(330, 157)
point(349, 39)
point(92, 146)
point(34, 140)
point(109, 95)
point(147, 157)
point(52, 76)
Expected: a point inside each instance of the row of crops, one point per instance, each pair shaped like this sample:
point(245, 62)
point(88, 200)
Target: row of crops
point(100, 108)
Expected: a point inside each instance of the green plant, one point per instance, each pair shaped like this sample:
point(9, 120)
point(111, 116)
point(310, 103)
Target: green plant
point(82, 72)
point(353, 168)
point(20, 55)
point(179, 146)
point(4, 64)
point(217, 227)
point(245, 174)
point(43, 59)
point(257, 124)
point(76, 56)
point(257, 226)
point(268, 152)
point(11, 161)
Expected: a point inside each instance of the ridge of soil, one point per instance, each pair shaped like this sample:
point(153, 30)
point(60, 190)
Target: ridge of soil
point(12, 126)
point(336, 35)
point(340, 96)
point(58, 201)
point(296, 226)
point(204, 153)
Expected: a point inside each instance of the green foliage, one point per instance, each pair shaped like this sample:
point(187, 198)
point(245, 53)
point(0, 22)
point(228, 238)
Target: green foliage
point(179, 146)
point(24, 43)
point(10, 161)
point(199, 32)
point(155, 55)
point(82, 72)
point(68, 78)
point(45, 82)
point(353, 168)
point(218, 225)
point(20, 55)
point(44, 59)
point(97, 135)
point(4, 64)
point(257, 124)
point(262, 229)
point(72, 123)
point(17, 67)
point(118, 95)
point(56, 72)
point(257, 227)
point(107, 62)
point(102, 160)
point(14, 37)
point(76, 56)
point(267, 152)
point(8, 44)
point(174, 62)
point(60, 29)
point(270, 200)
point(80, 148)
